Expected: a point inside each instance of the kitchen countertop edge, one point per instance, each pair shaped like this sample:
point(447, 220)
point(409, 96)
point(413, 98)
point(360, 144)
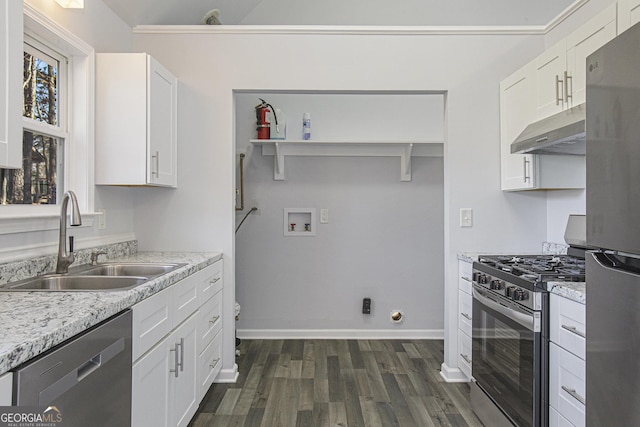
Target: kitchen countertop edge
point(34, 322)
point(575, 291)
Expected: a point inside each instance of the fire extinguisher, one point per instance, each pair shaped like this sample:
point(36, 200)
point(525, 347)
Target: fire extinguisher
point(262, 121)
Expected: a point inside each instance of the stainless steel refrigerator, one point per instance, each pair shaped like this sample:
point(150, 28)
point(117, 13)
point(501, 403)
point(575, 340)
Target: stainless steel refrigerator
point(613, 227)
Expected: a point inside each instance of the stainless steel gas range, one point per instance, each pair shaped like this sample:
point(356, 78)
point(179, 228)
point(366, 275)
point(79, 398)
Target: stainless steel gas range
point(510, 334)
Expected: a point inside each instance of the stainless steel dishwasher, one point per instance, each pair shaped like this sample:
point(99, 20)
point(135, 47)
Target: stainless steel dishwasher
point(88, 378)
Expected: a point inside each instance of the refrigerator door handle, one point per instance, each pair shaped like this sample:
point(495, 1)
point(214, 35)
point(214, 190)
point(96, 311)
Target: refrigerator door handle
point(610, 262)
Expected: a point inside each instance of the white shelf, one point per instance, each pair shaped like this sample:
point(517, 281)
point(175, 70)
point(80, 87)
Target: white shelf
point(402, 149)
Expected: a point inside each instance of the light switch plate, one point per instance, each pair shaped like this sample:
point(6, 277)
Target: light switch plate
point(324, 216)
point(466, 217)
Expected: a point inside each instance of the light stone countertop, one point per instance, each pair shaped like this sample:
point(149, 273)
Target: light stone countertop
point(575, 291)
point(33, 322)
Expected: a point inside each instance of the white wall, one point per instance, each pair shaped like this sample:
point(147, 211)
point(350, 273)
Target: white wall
point(99, 27)
point(211, 66)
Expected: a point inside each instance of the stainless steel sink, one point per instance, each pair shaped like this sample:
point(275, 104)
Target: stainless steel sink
point(126, 269)
point(109, 276)
point(61, 282)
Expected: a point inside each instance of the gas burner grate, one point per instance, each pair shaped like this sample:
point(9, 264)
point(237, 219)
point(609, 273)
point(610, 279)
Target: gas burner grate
point(541, 268)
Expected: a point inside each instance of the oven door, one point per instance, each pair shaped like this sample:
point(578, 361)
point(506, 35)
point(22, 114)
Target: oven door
point(507, 356)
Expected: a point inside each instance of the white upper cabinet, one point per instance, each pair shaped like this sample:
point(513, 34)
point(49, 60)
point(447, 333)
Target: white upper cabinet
point(11, 84)
point(550, 69)
point(560, 70)
point(628, 14)
point(136, 121)
point(582, 43)
point(517, 110)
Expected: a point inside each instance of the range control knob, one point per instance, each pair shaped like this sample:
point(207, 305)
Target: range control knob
point(496, 284)
point(483, 278)
point(520, 295)
point(510, 291)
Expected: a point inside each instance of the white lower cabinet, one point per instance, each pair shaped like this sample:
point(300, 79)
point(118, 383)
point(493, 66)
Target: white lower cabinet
point(177, 349)
point(163, 381)
point(465, 315)
point(567, 366)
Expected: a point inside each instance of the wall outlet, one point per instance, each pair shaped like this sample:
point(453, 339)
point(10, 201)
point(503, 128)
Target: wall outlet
point(102, 219)
point(466, 217)
point(366, 306)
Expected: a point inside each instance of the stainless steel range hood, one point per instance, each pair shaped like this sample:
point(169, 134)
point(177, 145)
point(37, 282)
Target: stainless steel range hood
point(562, 133)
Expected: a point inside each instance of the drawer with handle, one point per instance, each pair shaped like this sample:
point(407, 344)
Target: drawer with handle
point(567, 321)
point(567, 385)
point(465, 273)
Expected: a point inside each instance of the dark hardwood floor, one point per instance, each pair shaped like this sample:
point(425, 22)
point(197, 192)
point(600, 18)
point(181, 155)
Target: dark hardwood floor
point(338, 383)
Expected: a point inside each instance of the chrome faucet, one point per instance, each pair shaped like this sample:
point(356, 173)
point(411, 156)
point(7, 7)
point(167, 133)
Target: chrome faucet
point(65, 259)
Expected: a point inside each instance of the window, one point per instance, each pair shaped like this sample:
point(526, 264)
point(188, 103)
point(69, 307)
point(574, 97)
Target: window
point(58, 129)
point(41, 179)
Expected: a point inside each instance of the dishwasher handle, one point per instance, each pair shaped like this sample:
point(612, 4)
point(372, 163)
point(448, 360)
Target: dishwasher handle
point(81, 372)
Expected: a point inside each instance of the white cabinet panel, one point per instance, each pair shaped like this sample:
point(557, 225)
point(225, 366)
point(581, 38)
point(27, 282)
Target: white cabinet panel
point(184, 299)
point(150, 387)
point(11, 84)
point(568, 324)
point(567, 389)
point(550, 77)
point(582, 43)
point(464, 353)
point(209, 321)
point(517, 110)
point(465, 270)
point(136, 121)
point(557, 420)
point(465, 309)
point(210, 281)
point(184, 385)
point(628, 14)
point(152, 321)
point(209, 365)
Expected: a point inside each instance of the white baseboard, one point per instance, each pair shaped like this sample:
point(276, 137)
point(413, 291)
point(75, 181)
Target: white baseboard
point(452, 375)
point(227, 375)
point(33, 251)
point(363, 334)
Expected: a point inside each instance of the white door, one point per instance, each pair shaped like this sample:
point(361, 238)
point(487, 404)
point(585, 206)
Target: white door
point(517, 110)
point(549, 87)
point(151, 397)
point(162, 122)
point(185, 384)
point(582, 43)
point(11, 84)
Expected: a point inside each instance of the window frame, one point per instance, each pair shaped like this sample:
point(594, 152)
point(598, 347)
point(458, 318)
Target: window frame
point(79, 122)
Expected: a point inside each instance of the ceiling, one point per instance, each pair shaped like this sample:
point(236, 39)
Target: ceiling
point(342, 12)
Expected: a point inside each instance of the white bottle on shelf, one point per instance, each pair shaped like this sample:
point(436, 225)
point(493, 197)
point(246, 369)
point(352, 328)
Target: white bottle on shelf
point(306, 126)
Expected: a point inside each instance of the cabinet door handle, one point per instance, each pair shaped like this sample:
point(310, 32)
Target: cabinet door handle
point(214, 319)
point(181, 354)
point(574, 330)
point(466, 358)
point(215, 363)
point(176, 363)
point(559, 83)
point(466, 316)
point(156, 157)
point(465, 278)
point(214, 281)
point(527, 177)
point(567, 92)
point(572, 392)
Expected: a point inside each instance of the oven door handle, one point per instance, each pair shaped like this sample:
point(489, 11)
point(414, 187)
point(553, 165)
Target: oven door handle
point(513, 312)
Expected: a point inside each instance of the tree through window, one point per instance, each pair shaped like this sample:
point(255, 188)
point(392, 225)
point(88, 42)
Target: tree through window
point(40, 179)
